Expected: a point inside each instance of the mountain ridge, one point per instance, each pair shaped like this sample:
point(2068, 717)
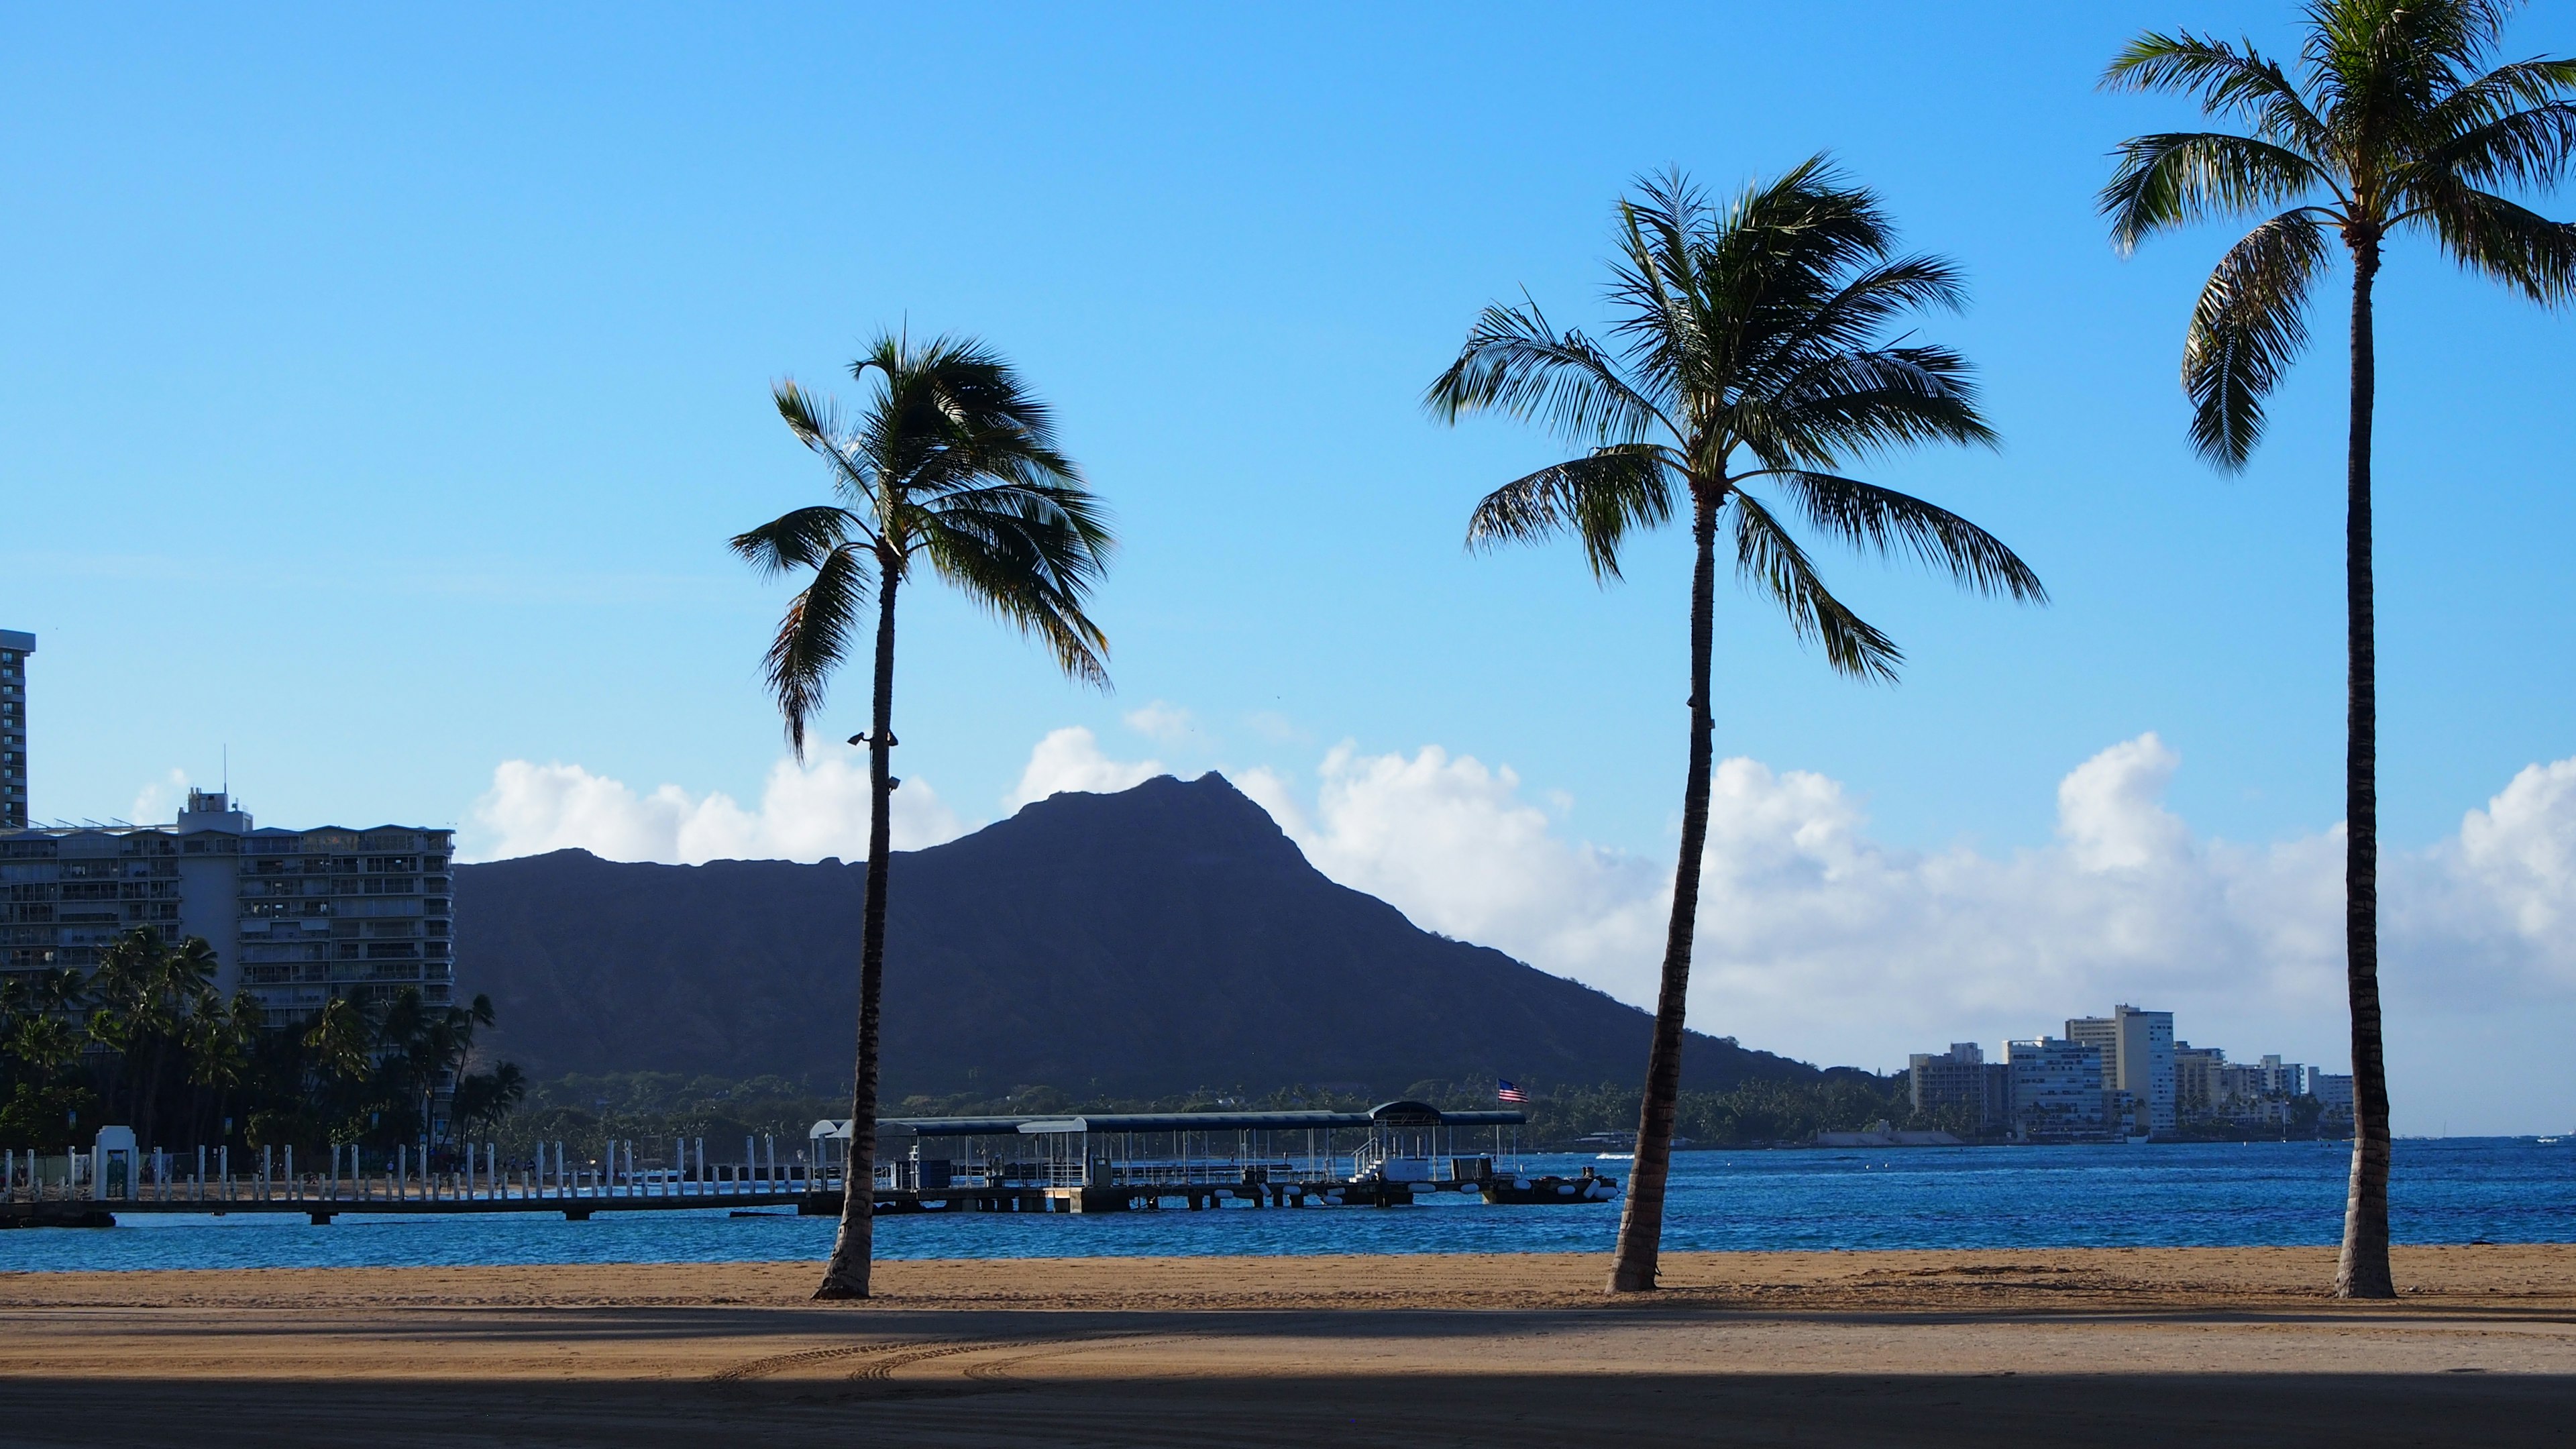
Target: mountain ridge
point(1160, 939)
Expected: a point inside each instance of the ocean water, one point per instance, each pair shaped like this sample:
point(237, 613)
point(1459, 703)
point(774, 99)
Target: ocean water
point(2505, 1190)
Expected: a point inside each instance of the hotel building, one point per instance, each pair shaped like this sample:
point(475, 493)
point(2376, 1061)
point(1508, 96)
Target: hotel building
point(2137, 1061)
point(296, 917)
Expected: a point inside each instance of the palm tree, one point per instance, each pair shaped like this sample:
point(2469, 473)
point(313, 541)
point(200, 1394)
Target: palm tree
point(953, 464)
point(2395, 126)
point(1751, 345)
point(484, 1098)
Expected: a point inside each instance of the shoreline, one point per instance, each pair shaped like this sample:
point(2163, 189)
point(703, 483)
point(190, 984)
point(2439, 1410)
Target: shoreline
point(2526, 1276)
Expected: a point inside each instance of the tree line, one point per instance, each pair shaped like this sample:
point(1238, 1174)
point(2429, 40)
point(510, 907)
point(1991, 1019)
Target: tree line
point(146, 1039)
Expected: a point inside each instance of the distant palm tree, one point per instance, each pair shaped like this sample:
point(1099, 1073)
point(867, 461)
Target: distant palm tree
point(1751, 345)
point(2397, 128)
point(953, 464)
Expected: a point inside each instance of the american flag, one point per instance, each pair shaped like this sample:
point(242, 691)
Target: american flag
point(1506, 1092)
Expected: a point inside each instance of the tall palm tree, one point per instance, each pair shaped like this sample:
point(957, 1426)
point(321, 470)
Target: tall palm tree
point(1751, 347)
point(953, 464)
point(2395, 126)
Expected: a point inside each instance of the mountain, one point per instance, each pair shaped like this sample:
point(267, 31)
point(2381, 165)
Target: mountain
point(1149, 942)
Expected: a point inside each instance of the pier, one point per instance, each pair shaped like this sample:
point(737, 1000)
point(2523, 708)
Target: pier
point(1395, 1155)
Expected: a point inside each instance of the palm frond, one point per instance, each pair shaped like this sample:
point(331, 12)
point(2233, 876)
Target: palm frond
point(2229, 81)
point(1515, 363)
point(1883, 521)
point(1600, 499)
point(2505, 242)
point(1029, 559)
point(816, 422)
point(814, 637)
point(1768, 559)
point(1863, 403)
point(2529, 147)
point(2249, 324)
point(796, 539)
point(2175, 179)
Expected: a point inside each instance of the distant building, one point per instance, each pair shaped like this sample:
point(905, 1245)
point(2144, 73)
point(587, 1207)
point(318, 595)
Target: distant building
point(14, 649)
point(2282, 1079)
point(2333, 1093)
point(2057, 1090)
point(2196, 1080)
point(1962, 1078)
point(296, 917)
point(2137, 1050)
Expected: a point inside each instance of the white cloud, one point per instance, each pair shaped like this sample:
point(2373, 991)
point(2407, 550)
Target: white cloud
point(1816, 940)
point(1162, 721)
point(158, 802)
point(1071, 759)
point(806, 813)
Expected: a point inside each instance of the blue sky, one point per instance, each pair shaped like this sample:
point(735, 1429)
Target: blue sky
point(378, 389)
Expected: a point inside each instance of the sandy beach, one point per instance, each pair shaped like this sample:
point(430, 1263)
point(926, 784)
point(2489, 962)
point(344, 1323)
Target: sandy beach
point(2119, 1346)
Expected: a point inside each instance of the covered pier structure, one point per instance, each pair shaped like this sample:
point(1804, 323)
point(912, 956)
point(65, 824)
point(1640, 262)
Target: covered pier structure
point(1396, 1153)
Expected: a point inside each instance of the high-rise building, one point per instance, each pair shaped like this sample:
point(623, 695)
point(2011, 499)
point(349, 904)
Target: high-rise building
point(2057, 1090)
point(2198, 1089)
point(1962, 1078)
point(296, 917)
point(14, 649)
point(2282, 1079)
point(2137, 1059)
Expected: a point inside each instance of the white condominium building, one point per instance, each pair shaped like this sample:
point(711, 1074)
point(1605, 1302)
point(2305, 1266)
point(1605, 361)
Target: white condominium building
point(297, 917)
point(2057, 1090)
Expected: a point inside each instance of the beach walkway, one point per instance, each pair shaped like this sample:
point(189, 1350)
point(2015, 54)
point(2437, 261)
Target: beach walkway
point(2101, 1347)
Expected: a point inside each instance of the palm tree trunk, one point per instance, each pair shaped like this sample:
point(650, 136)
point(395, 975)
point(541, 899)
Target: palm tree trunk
point(853, 1250)
point(1641, 1221)
point(2363, 1270)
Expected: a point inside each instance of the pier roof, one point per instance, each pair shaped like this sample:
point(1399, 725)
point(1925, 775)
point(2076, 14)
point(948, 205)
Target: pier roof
point(1392, 1113)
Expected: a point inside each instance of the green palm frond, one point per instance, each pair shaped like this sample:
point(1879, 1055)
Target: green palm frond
point(814, 637)
point(2249, 325)
point(1868, 402)
point(2513, 126)
point(2504, 242)
point(1882, 520)
point(2181, 178)
point(2230, 81)
point(1515, 363)
point(799, 539)
point(1768, 559)
point(1600, 499)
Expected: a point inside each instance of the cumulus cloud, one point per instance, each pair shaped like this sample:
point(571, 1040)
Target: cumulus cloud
point(806, 812)
point(1817, 940)
point(1071, 759)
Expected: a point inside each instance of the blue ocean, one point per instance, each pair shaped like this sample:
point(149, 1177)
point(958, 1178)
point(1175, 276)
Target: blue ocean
point(2454, 1190)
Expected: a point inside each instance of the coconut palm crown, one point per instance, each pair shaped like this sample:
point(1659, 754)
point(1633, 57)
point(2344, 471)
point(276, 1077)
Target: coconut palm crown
point(953, 465)
point(2395, 127)
point(1751, 351)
